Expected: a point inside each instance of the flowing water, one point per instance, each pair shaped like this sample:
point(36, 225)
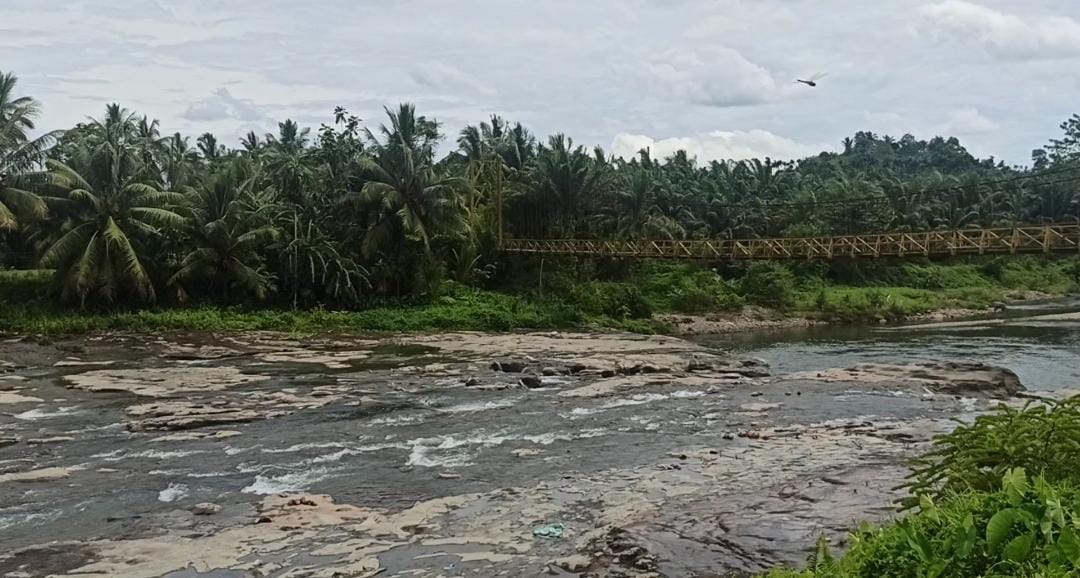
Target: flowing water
point(1039, 341)
point(388, 425)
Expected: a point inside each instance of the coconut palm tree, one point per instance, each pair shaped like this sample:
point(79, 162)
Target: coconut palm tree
point(288, 161)
point(209, 148)
point(634, 213)
point(19, 155)
point(17, 114)
point(408, 199)
point(227, 234)
point(181, 161)
point(566, 179)
point(107, 216)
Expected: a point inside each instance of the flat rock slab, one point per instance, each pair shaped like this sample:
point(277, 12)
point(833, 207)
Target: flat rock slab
point(162, 381)
point(954, 378)
point(41, 475)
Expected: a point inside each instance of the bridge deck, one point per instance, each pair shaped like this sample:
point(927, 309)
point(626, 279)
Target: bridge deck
point(1026, 239)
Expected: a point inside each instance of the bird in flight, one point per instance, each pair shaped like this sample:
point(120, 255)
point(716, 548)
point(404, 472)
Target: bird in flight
point(813, 79)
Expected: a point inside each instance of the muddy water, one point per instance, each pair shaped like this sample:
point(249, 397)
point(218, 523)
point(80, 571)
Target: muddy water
point(662, 471)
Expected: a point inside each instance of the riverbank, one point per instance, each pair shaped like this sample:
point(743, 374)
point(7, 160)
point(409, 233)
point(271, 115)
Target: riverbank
point(648, 298)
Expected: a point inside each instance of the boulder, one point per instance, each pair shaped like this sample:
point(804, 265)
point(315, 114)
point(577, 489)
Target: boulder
point(576, 563)
point(205, 509)
point(970, 378)
point(531, 382)
point(510, 366)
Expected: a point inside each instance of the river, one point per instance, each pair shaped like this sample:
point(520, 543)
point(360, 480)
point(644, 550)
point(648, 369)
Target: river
point(410, 456)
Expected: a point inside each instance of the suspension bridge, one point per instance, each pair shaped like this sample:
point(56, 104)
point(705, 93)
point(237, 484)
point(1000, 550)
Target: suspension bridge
point(994, 241)
point(1015, 240)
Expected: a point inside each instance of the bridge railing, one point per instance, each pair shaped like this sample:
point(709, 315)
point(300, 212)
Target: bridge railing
point(1012, 240)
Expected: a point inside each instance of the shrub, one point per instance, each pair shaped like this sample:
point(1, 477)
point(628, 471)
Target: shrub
point(615, 300)
point(768, 284)
point(1030, 273)
point(996, 498)
point(688, 288)
point(935, 276)
point(1028, 528)
point(1042, 437)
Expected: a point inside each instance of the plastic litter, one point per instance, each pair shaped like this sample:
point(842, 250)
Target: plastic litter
point(555, 530)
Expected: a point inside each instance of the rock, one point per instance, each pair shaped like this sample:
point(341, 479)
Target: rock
point(205, 509)
point(472, 382)
point(177, 416)
point(41, 475)
point(576, 563)
point(6, 441)
point(550, 371)
point(758, 407)
point(526, 452)
point(998, 306)
point(948, 377)
point(531, 382)
point(750, 367)
point(512, 366)
point(50, 440)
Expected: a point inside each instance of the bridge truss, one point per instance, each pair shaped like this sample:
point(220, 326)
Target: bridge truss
point(1005, 241)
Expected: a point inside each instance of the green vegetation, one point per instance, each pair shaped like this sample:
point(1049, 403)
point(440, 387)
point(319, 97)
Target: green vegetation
point(997, 498)
point(572, 298)
point(365, 221)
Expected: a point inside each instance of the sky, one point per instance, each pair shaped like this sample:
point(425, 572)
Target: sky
point(714, 77)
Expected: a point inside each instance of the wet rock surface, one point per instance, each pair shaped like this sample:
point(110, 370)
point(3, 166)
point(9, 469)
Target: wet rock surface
point(440, 455)
point(950, 377)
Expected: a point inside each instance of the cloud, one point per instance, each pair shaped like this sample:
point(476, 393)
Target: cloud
point(222, 106)
point(967, 121)
point(712, 76)
point(719, 145)
point(1005, 34)
point(441, 76)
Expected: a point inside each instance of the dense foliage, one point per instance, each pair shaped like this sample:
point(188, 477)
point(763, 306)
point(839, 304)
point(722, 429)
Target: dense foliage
point(345, 214)
point(996, 498)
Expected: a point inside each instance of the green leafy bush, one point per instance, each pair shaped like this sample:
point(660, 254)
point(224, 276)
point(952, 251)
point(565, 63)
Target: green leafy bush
point(935, 276)
point(768, 284)
point(1041, 437)
point(1031, 273)
point(615, 300)
point(1027, 528)
point(686, 288)
point(997, 498)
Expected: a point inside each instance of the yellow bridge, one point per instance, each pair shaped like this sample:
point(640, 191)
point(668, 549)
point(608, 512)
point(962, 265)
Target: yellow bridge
point(1005, 241)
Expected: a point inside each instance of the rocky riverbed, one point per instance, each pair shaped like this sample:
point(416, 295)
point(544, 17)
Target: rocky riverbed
point(447, 455)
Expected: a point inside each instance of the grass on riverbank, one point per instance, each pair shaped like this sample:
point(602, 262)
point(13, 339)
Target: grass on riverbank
point(857, 291)
point(588, 295)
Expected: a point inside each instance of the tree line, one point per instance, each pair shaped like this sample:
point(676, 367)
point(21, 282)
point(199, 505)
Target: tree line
point(122, 211)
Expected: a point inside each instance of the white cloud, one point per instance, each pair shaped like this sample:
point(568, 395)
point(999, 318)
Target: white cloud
point(441, 76)
point(720, 77)
point(592, 69)
point(967, 121)
point(1003, 33)
point(221, 106)
point(719, 145)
